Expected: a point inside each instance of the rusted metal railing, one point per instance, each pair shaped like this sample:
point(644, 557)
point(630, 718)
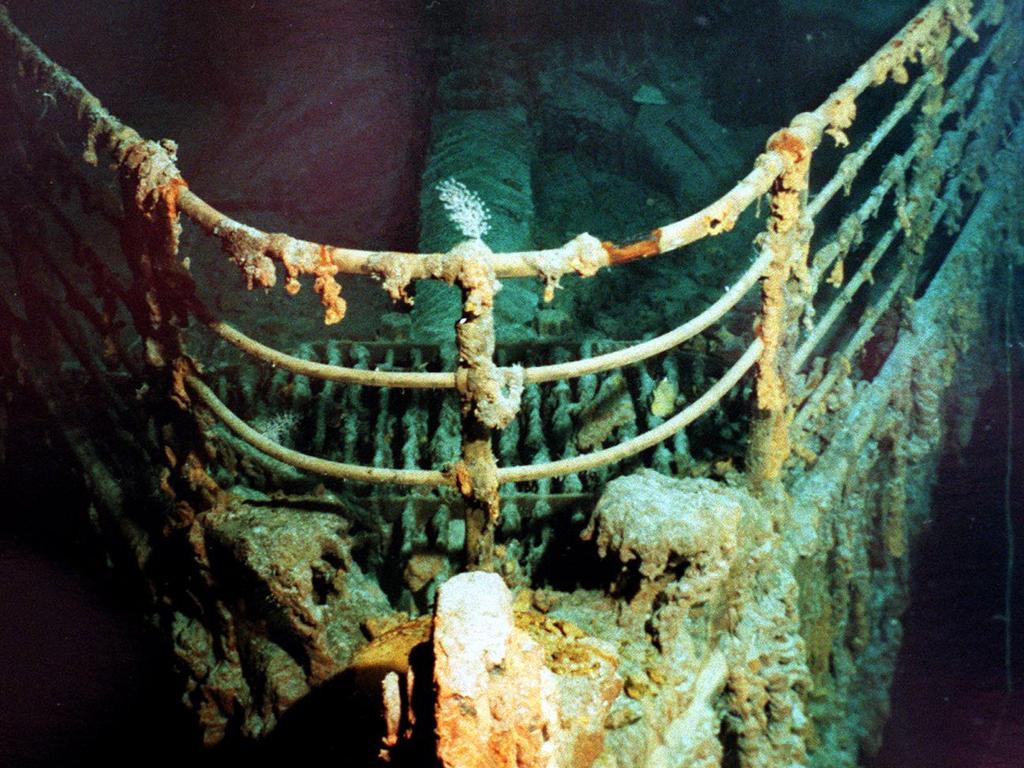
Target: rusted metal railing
point(160, 297)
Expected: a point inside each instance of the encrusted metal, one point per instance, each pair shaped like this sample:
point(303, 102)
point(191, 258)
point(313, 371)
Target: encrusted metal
point(517, 432)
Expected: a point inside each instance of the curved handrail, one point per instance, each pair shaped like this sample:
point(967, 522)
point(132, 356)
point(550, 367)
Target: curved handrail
point(582, 463)
point(535, 375)
point(645, 349)
point(396, 269)
point(328, 372)
point(642, 442)
point(299, 460)
point(256, 251)
point(400, 267)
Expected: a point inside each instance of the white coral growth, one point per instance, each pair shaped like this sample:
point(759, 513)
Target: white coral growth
point(279, 427)
point(464, 207)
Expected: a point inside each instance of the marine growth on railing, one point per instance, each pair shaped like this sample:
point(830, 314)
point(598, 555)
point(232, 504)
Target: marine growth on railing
point(154, 292)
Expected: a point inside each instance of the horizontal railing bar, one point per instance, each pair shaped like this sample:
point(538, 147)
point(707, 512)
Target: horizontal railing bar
point(865, 328)
point(825, 256)
point(840, 362)
point(583, 255)
point(843, 240)
point(949, 203)
point(839, 303)
point(535, 375)
point(964, 85)
point(573, 465)
point(659, 344)
point(715, 218)
point(837, 112)
point(642, 442)
point(327, 372)
point(299, 460)
point(720, 216)
point(397, 268)
point(855, 160)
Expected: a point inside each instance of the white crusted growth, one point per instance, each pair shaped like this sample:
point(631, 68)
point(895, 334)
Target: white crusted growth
point(246, 248)
point(473, 622)
point(659, 519)
point(583, 255)
point(500, 408)
point(464, 207)
point(279, 427)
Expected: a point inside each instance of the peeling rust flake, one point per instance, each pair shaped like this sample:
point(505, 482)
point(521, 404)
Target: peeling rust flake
point(328, 288)
point(638, 250)
point(789, 144)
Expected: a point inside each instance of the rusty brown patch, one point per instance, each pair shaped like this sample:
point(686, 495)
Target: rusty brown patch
point(621, 254)
point(463, 481)
point(170, 192)
point(789, 144)
point(328, 288)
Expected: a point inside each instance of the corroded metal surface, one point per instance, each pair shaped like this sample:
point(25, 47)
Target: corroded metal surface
point(241, 457)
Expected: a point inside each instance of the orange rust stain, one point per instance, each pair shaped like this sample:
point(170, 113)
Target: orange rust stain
point(170, 193)
point(638, 250)
point(328, 288)
point(789, 144)
point(196, 475)
point(463, 481)
point(897, 43)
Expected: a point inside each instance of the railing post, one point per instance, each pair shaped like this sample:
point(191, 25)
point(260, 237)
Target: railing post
point(490, 399)
point(788, 239)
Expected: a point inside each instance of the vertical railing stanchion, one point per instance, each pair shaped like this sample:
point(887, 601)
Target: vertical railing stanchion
point(788, 239)
point(489, 398)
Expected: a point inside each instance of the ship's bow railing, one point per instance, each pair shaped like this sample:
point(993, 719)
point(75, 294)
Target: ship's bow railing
point(152, 292)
